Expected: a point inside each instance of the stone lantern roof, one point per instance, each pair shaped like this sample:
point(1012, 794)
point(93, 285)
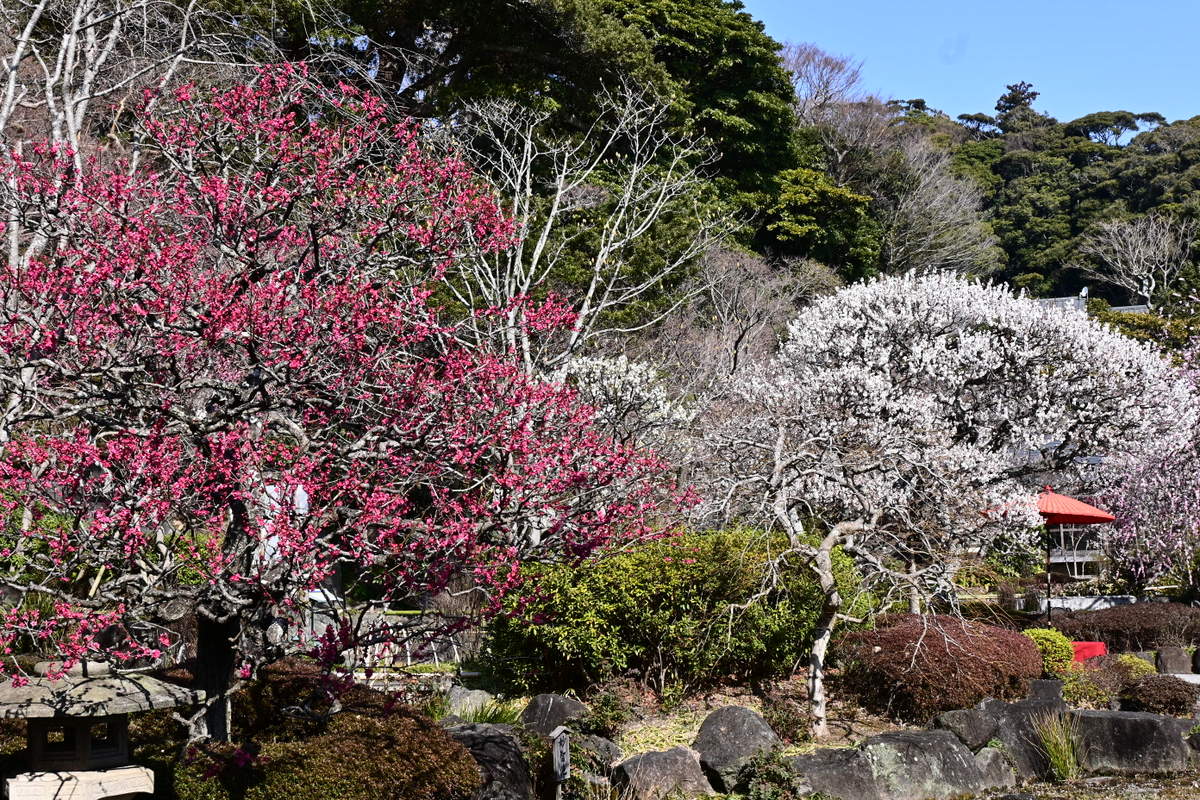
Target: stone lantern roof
point(98, 694)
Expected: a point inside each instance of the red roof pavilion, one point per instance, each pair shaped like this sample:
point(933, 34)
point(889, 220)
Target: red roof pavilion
point(1059, 509)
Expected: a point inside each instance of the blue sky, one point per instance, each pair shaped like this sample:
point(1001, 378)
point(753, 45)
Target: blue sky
point(959, 54)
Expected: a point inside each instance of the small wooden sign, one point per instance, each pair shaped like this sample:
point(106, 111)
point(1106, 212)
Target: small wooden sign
point(560, 748)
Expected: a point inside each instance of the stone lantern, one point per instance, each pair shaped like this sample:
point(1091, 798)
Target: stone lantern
point(78, 731)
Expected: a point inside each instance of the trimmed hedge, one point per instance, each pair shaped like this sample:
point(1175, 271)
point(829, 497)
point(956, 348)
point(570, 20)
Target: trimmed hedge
point(1138, 626)
point(664, 614)
point(371, 748)
point(1057, 653)
point(913, 667)
point(1162, 694)
point(403, 756)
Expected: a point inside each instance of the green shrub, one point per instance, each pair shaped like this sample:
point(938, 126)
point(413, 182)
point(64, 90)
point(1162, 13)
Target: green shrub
point(1097, 682)
point(665, 613)
point(1162, 694)
point(914, 667)
point(371, 748)
point(789, 714)
point(770, 778)
point(1057, 653)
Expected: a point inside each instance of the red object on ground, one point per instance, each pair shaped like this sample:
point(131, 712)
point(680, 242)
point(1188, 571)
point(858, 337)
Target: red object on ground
point(1086, 650)
point(1058, 509)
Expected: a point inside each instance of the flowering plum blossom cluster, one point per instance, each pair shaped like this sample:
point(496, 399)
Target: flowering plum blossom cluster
point(222, 384)
point(1156, 501)
point(910, 419)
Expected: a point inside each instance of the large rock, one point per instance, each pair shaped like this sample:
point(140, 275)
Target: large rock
point(604, 752)
point(843, 773)
point(661, 776)
point(1015, 731)
point(1133, 743)
point(973, 726)
point(908, 765)
point(729, 738)
point(1046, 689)
point(546, 712)
point(997, 772)
point(1174, 660)
point(501, 762)
point(463, 701)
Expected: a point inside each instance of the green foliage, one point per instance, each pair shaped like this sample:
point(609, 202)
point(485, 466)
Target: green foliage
point(291, 743)
point(1135, 668)
point(1086, 688)
point(666, 613)
point(607, 711)
point(770, 778)
point(1062, 742)
point(1172, 334)
point(1057, 653)
point(814, 217)
point(357, 758)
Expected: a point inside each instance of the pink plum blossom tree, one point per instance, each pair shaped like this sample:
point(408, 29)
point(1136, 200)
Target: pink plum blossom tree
point(909, 420)
point(217, 390)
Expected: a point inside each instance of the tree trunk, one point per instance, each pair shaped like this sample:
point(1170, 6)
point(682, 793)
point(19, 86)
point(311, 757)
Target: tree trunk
point(216, 660)
point(831, 607)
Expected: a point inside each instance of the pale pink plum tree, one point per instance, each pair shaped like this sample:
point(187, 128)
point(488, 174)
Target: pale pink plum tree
point(909, 420)
point(1156, 501)
point(216, 390)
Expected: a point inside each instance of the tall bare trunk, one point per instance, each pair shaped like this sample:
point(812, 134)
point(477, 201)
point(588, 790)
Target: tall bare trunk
point(831, 607)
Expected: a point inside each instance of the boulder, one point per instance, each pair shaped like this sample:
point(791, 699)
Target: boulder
point(1174, 660)
point(908, 765)
point(973, 726)
point(1014, 729)
point(729, 738)
point(546, 712)
point(662, 775)
point(500, 759)
point(1046, 689)
point(603, 752)
point(1133, 743)
point(997, 773)
point(842, 773)
point(463, 702)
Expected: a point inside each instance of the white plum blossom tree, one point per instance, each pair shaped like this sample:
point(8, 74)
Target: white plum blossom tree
point(909, 420)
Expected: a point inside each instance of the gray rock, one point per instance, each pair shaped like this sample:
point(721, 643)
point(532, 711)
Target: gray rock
point(464, 702)
point(662, 775)
point(1046, 689)
point(602, 751)
point(1014, 729)
point(997, 773)
point(1147, 656)
point(843, 773)
point(1133, 743)
point(1174, 660)
point(729, 738)
point(501, 762)
point(908, 765)
point(973, 726)
point(546, 712)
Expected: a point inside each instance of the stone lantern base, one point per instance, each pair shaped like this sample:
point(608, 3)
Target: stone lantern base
point(104, 784)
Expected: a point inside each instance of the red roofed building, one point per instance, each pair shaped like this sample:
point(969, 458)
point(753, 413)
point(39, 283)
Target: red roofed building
point(1077, 534)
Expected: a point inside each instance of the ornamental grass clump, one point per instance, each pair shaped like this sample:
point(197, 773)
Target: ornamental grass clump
point(1060, 738)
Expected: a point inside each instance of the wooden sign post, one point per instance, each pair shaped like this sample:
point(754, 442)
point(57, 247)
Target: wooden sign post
point(560, 749)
